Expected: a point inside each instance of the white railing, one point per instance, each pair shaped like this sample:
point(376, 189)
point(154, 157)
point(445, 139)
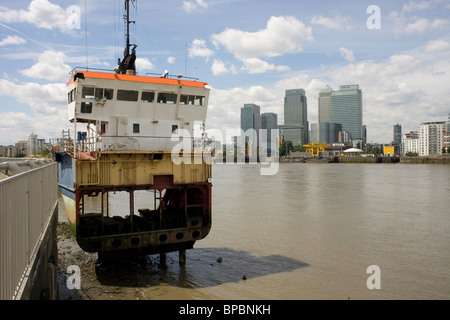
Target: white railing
point(27, 201)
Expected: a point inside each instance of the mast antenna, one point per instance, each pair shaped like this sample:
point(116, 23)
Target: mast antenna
point(127, 65)
point(86, 30)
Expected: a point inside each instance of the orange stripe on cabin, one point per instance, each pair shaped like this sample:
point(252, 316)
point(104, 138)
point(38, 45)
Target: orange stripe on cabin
point(128, 77)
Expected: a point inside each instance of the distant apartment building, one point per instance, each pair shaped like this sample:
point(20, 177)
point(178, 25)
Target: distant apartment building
point(33, 147)
point(431, 138)
point(22, 147)
point(410, 142)
point(8, 151)
point(447, 134)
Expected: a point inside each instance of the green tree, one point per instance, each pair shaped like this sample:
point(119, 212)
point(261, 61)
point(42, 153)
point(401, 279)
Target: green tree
point(375, 151)
point(299, 148)
point(411, 154)
point(45, 152)
point(285, 147)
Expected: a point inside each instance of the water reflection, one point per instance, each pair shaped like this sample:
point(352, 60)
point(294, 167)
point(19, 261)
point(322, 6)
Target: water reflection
point(205, 267)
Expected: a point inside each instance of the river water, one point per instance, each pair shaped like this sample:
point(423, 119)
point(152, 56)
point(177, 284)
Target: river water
point(311, 231)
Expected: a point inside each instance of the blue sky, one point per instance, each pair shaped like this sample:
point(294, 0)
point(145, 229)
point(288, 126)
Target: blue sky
point(248, 51)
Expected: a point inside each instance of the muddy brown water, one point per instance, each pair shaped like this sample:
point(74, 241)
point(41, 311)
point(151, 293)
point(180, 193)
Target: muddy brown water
point(308, 232)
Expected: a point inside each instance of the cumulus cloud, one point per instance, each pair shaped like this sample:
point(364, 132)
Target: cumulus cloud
point(12, 40)
point(401, 88)
point(282, 35)
point(419, 5)
point(190, 6)
point(422, 25)
point(43, 99)
point(144, 64)
point(347, 54)
point(48, 103)
point(224, 108)
point(415, 25)
point(198, 48)
point(40, 13)
point(256, 65)
point(220, 68)
point(171, 60)
point(337, 22)
point(434, 46)
point(50, 66)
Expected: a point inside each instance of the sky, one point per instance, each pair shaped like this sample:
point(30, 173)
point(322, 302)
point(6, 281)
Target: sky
point(248, 51)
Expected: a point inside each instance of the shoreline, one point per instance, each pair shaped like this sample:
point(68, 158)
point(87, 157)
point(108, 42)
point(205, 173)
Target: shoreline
point(69, 253)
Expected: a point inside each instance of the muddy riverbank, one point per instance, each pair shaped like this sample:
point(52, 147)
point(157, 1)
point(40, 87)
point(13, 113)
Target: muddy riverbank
point(131, 278)
point(98, 281)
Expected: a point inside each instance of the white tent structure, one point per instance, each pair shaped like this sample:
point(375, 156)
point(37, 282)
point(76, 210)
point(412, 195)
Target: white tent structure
point(353, 152)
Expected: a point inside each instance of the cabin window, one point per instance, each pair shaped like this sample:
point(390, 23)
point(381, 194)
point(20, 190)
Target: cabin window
point(127, 95)
point(101, 93)
point(88, 92)
point(175, 128)
point(166, 97)
point(103, 128)
point(71, 95)
point(192, 100)
point(147, 96)
point(135, 127)
point(86, 107)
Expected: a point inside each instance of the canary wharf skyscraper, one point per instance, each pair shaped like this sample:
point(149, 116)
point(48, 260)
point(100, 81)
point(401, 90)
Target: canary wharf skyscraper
point(295, 116)
point(346, 109)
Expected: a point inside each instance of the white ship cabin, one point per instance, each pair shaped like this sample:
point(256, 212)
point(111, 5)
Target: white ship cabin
point(125, 112)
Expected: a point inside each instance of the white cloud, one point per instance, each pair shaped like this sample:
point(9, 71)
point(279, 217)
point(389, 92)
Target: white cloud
point(198, 48)
point(256, 65)
point(415, 25)
point(12, 40)
point(433, 46)
point(224, 108)
point(190, 6)
point(422, 25)
point(416, 6)
point(48, 103)
point(50, 66)
point(144, 64)
point(400, 89)
point(282, 35)
point(171, 60)
point(219, 68)
point(337, 22)
point(347, 54)
point(40, 13)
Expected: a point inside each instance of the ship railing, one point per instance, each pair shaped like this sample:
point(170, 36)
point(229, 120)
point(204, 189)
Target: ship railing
point(91, 145)
point(159, 75)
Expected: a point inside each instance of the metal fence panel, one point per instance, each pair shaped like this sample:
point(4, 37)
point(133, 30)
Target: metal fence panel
point(26, 203)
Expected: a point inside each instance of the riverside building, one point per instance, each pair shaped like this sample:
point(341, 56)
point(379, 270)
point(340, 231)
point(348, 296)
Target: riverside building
point(431, 138)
